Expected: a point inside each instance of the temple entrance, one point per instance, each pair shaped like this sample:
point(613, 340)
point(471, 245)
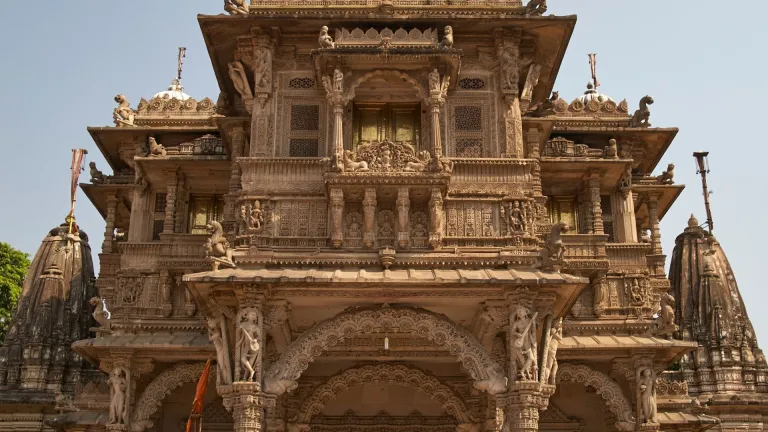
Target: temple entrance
point(397, 122)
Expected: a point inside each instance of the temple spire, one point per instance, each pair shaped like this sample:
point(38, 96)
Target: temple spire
point(702, 167)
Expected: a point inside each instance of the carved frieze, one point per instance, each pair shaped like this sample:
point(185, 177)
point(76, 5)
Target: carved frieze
point(386, 156)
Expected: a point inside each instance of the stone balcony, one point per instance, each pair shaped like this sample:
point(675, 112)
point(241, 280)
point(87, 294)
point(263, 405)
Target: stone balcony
point(180, 251)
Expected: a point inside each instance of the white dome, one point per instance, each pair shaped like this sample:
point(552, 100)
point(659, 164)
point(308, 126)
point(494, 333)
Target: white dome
point(175, 91)
point(592, 94)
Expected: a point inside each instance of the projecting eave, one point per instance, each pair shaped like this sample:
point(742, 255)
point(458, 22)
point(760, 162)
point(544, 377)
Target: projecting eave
point(99, 194)
point(205, 174)
point(564, 288)
point(118, 144)
point(612, 347)
point(299, 27)
point(167, 347)
point(666, 196)
point(654, 142)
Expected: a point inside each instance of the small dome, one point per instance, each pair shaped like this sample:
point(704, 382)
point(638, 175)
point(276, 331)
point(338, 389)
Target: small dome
point(175, 91)
point(592, 94)
point(692, 221)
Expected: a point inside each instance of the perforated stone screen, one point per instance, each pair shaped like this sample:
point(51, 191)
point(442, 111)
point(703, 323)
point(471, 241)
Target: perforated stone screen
point(471, 83)
point(301, 83)
point(303, 147)
point(305, 117)
point(468, 118)
point(469, 147)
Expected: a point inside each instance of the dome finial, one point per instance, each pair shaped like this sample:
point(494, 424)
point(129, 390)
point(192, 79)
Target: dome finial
point(692, 221)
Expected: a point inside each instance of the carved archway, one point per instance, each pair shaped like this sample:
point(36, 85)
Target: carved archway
point(152, 397)
point(387, 374)
point(282, 374)
point(419, 87)
point(605, 387)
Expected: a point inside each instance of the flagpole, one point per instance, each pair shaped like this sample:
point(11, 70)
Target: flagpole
point(76, 168)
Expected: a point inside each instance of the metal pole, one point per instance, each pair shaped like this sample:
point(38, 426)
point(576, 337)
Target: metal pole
point(703, 169)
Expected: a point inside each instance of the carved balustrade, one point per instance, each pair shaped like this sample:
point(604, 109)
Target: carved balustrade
point(136, 255)
point(283, 176)
point(629, 257)
point(585, 246)
point(255, 6)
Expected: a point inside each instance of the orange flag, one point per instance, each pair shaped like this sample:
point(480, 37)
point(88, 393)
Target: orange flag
point(197, 404)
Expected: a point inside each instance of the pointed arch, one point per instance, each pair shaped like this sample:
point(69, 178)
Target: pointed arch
point(282, 374)
point(385, 374)
point(384, 74)
point(605, 387)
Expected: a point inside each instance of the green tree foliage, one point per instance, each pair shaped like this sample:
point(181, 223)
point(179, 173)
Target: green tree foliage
point(13, 268)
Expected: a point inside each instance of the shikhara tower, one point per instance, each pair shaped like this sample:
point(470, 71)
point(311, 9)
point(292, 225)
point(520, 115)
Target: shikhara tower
point(386, 222)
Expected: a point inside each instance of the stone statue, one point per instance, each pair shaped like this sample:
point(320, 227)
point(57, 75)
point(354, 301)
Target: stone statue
point(495, 383)
point(667, 326)
point(242, 219)
point(667, 177)
point(645, 237)
point(237, 7)
point(118, 387)
point(509, 57)
point(123, 115)
point(611, 150)
point(100, 314)
point(325, 40)
point(554, 249)
point(522, 333)
point(647, 388)
point(240, 80)
point(544, 108)
point(354, 166)
point(256, 217)
point(247, 340)
point(218, 339)
point(97, 177)
point(643, 114)
point(155, 148)
point(424, 158)
point(217, 247)
point(536, 7)
point(434, 81)
point(436, 219)
point(262, 69)
point(447, 41)
point(338, 79)
point(514, 218)
point(549, 363)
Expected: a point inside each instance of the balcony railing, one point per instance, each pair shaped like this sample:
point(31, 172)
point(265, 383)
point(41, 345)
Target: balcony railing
point(585, 246)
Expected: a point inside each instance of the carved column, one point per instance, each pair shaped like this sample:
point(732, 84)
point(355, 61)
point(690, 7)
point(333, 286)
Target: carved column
point(645, 394)
point(172, 182)
point(337, 217)
point(338, 129)
point(403, 215)
point(653, 214)
point(601, 296)
point(109, 231)
point(124, 372)
point(337, 100)
point(508, 52)
point(237, 138)
point(436, 218)
point(593, 180)
point(166, 286)
point(189, 303)
point(257, 51)
point(140, 228)
point(369, 217)
point(438, 90)
point(532, 138)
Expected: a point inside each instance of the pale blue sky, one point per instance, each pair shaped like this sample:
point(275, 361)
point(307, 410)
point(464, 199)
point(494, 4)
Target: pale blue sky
point(702, 61)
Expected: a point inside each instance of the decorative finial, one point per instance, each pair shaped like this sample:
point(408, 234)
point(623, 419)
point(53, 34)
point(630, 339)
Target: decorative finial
point(692, 221)
point(702, 167)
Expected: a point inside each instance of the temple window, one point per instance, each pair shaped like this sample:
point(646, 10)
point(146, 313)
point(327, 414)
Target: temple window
point(466, 132)
point(396, 122)
point(158, 215)
point(608, 220)
point(204, 209)
point(304, 131)
point(564, 208)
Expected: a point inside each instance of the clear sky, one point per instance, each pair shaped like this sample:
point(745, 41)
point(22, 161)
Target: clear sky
point(702, 62)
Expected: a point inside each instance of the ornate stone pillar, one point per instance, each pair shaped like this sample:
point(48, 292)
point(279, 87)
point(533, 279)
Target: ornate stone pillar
point(337, 100)
point(594, 197)
point(601, 295)
point(124, 371)
point(257, 51)
point(140, 228)
point(645, 395)
point(337, 217)
point(237, 137)
point(109, 232)
point(166, 287)
point(653, 214)
point(403, 217)
point(172, 182)
point(522, 404)
point(436, 218)
point(532, 141)
point(189, 303)
point(626, 231)
point(438, 90)
point(369, 217)
point(508, 53)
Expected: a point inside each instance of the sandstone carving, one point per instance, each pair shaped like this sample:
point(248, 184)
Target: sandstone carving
point(447, 41)
point(643, 114)
point(97, 177)
point(217, 336)
point(325, 40)
point(100, 314)
point(247, 340)
point(606, 387)
point(217, 247)
point(611, 151)
point(666, 321)
point(240, 80)
point(553, 252)
point(118, 388)
point(237, 7)
point(647, 386)
point(536, 7)
point(523, 344)
point(668, 176)
point(549, 362)
point(155, 148)
point(123, 115)
point(386, 156)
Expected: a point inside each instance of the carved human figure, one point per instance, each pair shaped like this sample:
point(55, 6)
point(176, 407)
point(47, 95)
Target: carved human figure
point(96, 175)
point(549, 363)
point(262, 69)
point(636, 293)
point(522, 333)
point(247, 340)
point(237, 7)
point(600, 295)
point(256, 216)
point(447, 41)
point(240, 80)
point(118, 386)
point(611, 151)
point(434, 81)
point(509, 57)
point(436, 219)
point(123, 115)
point(647, 388)
point(155, 148)
point(325, 40)
point(338, 81)
point(516, 219)
point(217, 337)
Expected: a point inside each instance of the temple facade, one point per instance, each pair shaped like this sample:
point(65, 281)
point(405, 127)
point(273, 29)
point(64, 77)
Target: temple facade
point(387, 221)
